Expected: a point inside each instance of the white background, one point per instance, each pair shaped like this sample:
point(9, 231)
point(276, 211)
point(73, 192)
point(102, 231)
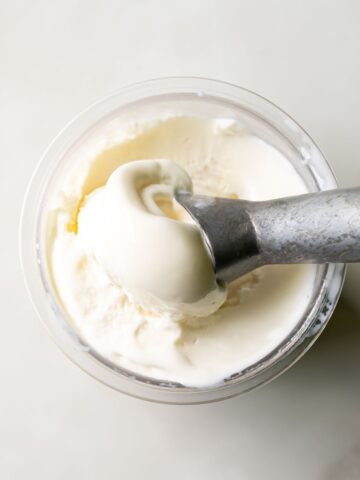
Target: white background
point(56, 57)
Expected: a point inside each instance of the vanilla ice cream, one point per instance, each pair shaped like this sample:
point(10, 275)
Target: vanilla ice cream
point(156, 255)
point(131, 270)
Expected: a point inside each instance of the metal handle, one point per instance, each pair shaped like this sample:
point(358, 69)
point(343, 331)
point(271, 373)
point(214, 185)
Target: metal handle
point(322, 227)
point(312, 228)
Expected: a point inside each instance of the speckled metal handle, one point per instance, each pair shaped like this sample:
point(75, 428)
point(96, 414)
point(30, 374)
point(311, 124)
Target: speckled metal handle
point(314, 228)
point(322, 227)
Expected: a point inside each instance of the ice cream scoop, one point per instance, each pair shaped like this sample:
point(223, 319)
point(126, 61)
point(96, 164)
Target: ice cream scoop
point(242, 235)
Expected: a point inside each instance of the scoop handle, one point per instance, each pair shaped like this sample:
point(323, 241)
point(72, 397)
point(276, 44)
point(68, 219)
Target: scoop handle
point(322, 227)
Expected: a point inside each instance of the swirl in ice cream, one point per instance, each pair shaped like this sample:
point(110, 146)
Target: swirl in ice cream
point(159, 258)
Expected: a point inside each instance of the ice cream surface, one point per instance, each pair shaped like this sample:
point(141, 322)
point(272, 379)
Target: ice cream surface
point(131, 270)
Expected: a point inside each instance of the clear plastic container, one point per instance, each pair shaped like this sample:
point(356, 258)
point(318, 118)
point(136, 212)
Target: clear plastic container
point(146, 100)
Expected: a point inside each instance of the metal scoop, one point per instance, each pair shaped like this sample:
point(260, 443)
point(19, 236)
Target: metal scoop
point(241, 235)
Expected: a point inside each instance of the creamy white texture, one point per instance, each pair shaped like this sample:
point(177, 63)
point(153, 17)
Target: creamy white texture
point(161, 262)
point(260, 310)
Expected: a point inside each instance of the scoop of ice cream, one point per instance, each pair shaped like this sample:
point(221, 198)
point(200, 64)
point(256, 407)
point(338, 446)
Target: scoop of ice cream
point(146, 242)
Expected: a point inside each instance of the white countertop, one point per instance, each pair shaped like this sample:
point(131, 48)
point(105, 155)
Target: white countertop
point(56, 58)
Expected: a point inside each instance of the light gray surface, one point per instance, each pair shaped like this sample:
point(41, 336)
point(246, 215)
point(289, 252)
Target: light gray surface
point(56, 58)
